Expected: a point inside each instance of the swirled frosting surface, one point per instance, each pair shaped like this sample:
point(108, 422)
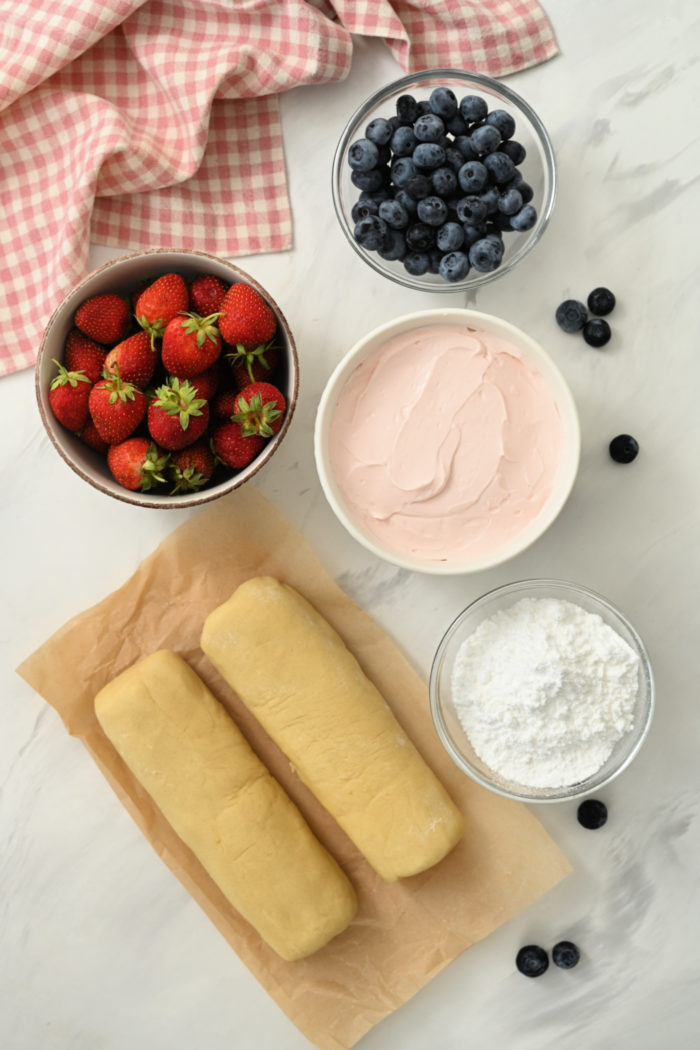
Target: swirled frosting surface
point(445, 442)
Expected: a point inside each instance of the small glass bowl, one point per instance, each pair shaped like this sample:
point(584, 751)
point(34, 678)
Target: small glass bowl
point(449, 728)
point(538, 168)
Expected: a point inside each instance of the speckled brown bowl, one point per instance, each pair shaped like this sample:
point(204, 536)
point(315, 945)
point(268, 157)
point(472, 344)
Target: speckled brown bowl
point(123, 275)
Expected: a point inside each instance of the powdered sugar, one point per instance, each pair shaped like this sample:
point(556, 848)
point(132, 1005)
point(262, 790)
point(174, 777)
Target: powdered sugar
point(544, 690)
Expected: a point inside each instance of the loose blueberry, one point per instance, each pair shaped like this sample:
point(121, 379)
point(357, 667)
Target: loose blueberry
point(369, 181)
point(502, 122)
point(532, 960)
point(510, 203)
point(427, 156)
point(485, 256)
point(601, 302)
point(450, 237)
point(515, 150)
point(394, 214)
point(472, 234)
point(592, 813)
point(473, 176)
point(402, 169)
point(420, 237)
point(485, 139)
point(435, 257)
point(362, 208)
point(378, 131)
point(565, 954)
point(444, 182)
point(454, 159)
point(472, 210)
point(418, 186)
point(473, 108)
point(456, 125)
point(407, 201)
point(370, 232)
point(526, 191)
point(464, 144)
point(443, 102)
point(524, 219)
point(429, 128)
point(432, 210)
point(417, 263)
point(623, 449)
point(596, 332)
point(403, 141)
point(490, 197)
point(363, 155)
point(571, 315)
point(499, 166)
point(406, 109)
point(454, 266)
point(423, 107)
point(394, 246)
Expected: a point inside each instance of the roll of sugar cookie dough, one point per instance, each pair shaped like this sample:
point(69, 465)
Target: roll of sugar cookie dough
point(292, 670)
point(186, 751)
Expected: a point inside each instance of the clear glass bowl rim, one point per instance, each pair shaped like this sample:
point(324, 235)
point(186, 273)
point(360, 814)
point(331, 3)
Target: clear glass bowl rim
point(490, 84)
point(558, 795)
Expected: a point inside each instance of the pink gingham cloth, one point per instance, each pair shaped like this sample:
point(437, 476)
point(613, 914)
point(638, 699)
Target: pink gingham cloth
point(156, 124)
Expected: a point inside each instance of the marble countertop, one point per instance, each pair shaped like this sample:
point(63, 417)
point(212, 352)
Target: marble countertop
point(101, 946)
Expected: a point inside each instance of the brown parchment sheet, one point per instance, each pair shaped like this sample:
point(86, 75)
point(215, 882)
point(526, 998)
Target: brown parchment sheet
point(405, 932)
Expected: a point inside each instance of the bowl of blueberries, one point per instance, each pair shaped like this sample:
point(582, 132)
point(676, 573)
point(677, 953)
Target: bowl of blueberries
point(444, 180)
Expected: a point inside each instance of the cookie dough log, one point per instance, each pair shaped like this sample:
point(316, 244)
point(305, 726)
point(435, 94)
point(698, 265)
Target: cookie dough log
point(288, 665)
point(181, 744)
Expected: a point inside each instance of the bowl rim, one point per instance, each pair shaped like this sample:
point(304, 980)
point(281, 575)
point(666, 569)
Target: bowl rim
point(528, 585)
point(189, 499)
point(493, 85)
point(344, 368)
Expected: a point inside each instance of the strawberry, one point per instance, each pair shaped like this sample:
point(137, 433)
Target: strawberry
point(224, 405)
point(207, 383)
point(164, 299)
point(176, 416)
point(116, 408)
point(137, 463)
point(191, 468)
point(233, 447)
point(134, 359)
point(254, 366)
point(207, 294)
point(104, 318)
point(84, 355)
point(89, 436)
point(190, 344)
point(259, 408)
point(246, 319)
point(68, 397)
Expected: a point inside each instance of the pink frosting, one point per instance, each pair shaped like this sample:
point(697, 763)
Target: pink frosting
point(445, 442)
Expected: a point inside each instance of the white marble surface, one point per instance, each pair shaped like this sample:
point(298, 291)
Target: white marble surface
point(101, 946)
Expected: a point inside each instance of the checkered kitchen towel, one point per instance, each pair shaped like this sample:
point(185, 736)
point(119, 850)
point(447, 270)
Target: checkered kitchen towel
point(156, 125)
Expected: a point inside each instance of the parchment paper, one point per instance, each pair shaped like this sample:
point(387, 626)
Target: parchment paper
point(405, 932)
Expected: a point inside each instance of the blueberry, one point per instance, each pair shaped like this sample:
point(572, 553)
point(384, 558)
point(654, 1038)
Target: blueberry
point(428, 155)
point(406, 201)
point(403, 141)
point(420, 237)
point(450, 237)
point(499, 166)
point(473, 176)
point(526, 191)
point(423, 107)
point(417, 263)
point(429, 128)
point(443, 102)
point(394, 214)
point(472, 210)
point(379, 131)
point(565, 954)
point(362, 208)
point(596, 332)
point(485, 256)
point(485, 139)
point(472, 234)
point(363, 155)
point(601, 301)
point(571, 315)
point(435, 257)
point(406, 109)
point(592, 813)
point(464, 144)
point(454, 266)
point(515, 150)
point(368, 180)
point(623, 449)
point(401, 171)
point(444, 182)
point(432, 210)
point(454, 158)
point(532, 960)
point(370, 232)
point(490, 197)
point(456, 125)
point(418, 186)
point(473, 108)
point(394, 247)
point(502, 122)
point(524, 219)
point(510, 202)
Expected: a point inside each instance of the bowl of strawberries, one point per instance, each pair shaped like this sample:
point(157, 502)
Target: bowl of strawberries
point(167, 378)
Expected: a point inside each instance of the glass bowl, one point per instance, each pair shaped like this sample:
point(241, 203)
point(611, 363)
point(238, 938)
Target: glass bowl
point(538, 169)
point(449, 727)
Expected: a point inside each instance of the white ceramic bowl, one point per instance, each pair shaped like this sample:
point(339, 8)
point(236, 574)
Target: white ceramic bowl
point(533, 354)
point(451, 732)
point(123, 275)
